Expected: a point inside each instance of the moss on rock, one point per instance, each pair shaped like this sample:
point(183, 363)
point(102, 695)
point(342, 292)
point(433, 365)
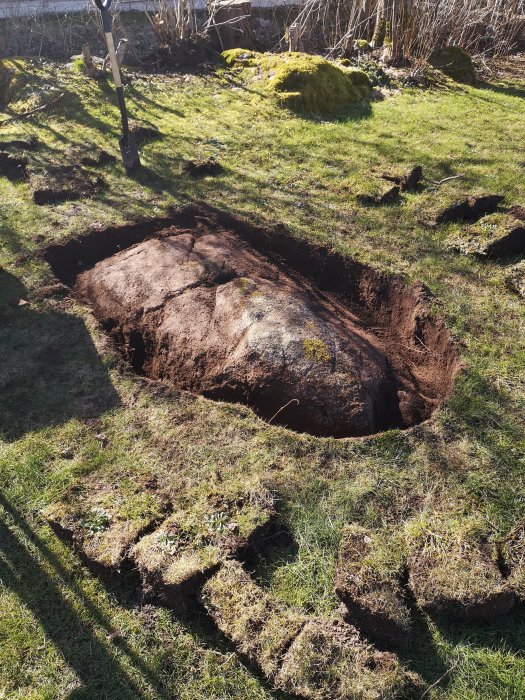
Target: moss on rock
point(454, 62)
point(302, 82)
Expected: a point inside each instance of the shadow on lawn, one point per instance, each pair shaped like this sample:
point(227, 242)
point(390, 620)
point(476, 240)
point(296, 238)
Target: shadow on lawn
point(94, 662)
point(51, 371)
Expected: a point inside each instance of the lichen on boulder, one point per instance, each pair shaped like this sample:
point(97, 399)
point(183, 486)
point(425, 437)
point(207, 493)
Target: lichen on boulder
point(302, 82)
point(454, 62)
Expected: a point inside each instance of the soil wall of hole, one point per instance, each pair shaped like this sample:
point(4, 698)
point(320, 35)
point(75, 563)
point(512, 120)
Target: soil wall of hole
point(414, 349)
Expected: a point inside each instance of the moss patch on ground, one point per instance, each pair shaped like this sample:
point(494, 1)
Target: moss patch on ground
point(303, 82)
point(61, 384)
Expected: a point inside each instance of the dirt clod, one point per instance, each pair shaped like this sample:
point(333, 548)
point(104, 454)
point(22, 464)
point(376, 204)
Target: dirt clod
point(143, 131)
point(409, 181)
point(13, 167)
point(470, 209)
point(385, 195)
point(202, 168)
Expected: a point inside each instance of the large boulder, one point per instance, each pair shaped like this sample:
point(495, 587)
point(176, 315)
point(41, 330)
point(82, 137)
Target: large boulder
point(208, 313)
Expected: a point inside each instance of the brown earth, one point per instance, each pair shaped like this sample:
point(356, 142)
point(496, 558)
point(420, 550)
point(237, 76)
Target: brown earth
point(309, 339)
point(470, 209)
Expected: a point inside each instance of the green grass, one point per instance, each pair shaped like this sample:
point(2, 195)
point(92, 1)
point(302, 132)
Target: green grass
point(60, 386)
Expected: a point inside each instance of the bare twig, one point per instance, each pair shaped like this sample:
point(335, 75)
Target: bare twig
point(447, 673)
point(445, 179)
point(282, 408)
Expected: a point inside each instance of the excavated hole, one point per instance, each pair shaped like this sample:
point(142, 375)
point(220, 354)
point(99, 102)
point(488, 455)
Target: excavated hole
point(309, 339)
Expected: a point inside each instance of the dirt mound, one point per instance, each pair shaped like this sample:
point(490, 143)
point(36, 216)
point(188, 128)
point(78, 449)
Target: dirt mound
point(454, 62)
point(302, 82)
point(202, 168)
point(325, 345)
point(13, 167)
point(470, 209)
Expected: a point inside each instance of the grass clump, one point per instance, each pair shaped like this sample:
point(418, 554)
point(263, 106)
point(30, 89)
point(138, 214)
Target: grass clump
point(302, 82)
point(454, 62)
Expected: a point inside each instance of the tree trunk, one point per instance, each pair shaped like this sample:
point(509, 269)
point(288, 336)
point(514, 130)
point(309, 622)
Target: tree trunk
point(378, 38)
point(232, 20)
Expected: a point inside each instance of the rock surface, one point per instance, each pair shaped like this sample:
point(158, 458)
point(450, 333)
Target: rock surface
point(214, 317)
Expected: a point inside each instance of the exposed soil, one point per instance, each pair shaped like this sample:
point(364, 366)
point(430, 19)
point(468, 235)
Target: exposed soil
point(202, 168)
point(307, 338)
point(89, 155)
point(13, 167)
point(386, 194)
point(470, 209)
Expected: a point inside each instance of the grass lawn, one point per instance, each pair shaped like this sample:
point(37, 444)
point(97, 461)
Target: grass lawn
point(69, 412)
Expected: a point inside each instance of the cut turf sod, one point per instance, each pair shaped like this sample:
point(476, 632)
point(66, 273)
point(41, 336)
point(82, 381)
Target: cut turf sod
point(495, 235)
point(457, 575)
point(368, 582)
point(321, 344)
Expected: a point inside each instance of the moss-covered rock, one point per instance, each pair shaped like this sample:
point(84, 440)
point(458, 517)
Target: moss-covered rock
point(454, 62)
point(369, 571)
point(302, 82)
